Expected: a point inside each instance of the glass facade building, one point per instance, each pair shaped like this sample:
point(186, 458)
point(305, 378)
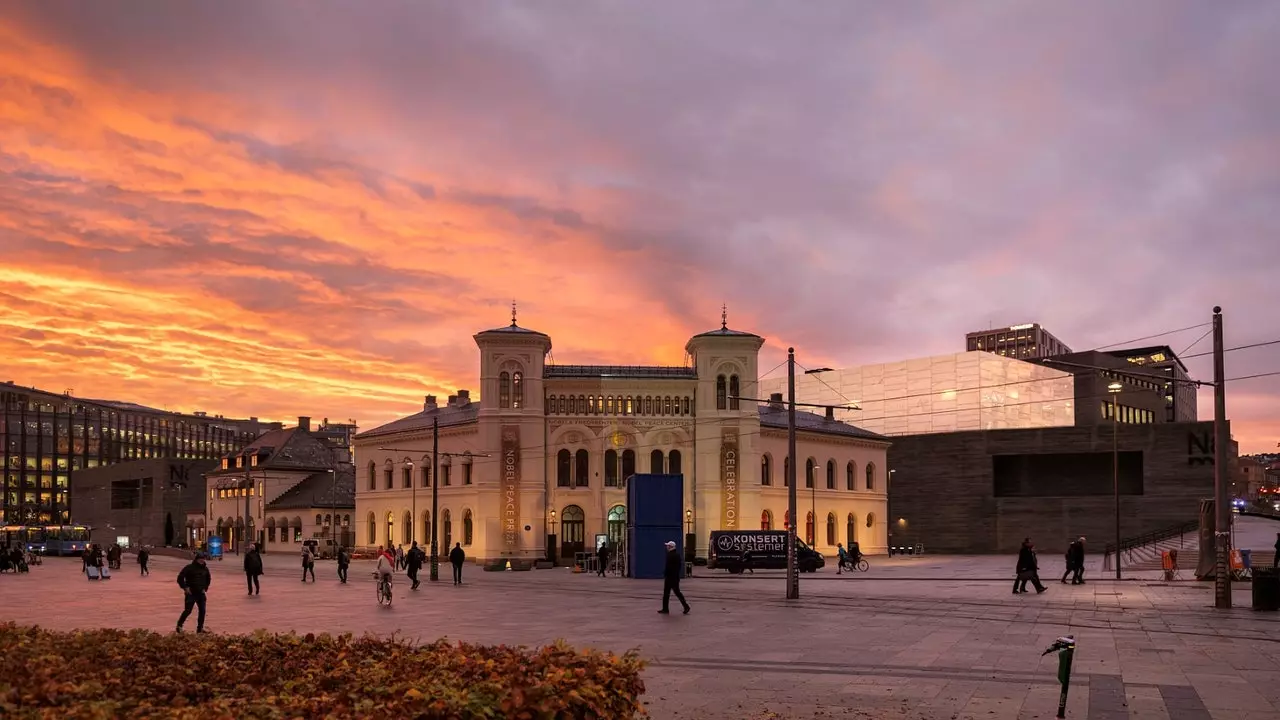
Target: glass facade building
point(1022, 342)
point(47, 436)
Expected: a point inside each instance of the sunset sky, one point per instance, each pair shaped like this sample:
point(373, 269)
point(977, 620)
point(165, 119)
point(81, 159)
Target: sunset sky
point(308, 208)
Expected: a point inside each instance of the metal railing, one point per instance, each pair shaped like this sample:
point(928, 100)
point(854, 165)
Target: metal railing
point(1138, 542)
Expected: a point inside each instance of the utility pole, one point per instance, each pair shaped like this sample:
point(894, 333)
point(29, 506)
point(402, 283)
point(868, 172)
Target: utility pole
point(435, 504)
point(1221, 437)
point(793, 572)
point(1115, 469)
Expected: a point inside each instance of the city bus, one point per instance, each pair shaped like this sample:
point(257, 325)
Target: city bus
point(31, 538)
point(66, 540)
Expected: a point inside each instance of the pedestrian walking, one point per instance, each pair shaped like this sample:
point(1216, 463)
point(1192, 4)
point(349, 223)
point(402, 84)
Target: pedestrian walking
point(602, 558)
point(671, 580)
point(1078, 563)
point(308, 564)
point(1070, 557)
point(413, 563)
point(253, 569)
point(1027, 569)
point(194, 580)
point(344, 562)
point(144, 557)
point(1275, 559)
point(456, 558)
point(400, 558)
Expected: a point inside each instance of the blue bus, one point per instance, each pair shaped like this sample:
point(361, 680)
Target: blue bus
point(66, 540)
point(31, 538)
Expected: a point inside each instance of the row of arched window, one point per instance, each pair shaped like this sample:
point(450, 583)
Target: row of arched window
point(727, 392)
point(811, 469)
point(406, 536)
point(850, 526)
point(285, 530)
point(423, 468)
point(511, 390)
point(573, 469)
point(619, 405)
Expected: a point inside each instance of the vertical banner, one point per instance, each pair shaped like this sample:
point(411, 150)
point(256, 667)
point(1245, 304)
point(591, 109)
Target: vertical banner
point(511, 487)
point(729, 480)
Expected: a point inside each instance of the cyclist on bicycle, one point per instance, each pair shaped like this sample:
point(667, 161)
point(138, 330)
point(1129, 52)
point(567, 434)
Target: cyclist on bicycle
point(386, 566)
point(842, 559)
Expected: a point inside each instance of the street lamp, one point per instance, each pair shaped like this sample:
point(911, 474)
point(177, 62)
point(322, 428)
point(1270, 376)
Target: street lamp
point(813, 494)
point(413, 502)
point(1115, 388)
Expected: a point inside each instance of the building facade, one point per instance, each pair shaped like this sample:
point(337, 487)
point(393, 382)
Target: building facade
point(984, 491)
point(947, 393)
point(142, 502)
point(1146, 395)
point(1022, 342)
point(537, 466)
point(285, 487)
point(1179, 390)
point(49, 436)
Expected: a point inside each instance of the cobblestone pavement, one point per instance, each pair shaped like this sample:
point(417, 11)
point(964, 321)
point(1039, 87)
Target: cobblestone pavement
point(947, 644)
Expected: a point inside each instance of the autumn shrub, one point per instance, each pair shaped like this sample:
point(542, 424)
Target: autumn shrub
point(101, 674)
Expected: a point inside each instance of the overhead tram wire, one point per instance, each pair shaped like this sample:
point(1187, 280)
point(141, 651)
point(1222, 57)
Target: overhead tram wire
point(1197, 342)
point(1233, 349)
point(1153, 337)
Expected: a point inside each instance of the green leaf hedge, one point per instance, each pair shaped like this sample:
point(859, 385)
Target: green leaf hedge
point(101, 674)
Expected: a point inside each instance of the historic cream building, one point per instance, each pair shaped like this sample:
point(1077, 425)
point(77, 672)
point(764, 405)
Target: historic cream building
point(536, 466)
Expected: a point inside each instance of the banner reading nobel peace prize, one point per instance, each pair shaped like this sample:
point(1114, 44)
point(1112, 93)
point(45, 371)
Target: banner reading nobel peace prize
point(729, 480)
point(511, 487)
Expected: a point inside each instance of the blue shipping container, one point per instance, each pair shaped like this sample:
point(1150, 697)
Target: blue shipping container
point(655, 501)
point(647, 550)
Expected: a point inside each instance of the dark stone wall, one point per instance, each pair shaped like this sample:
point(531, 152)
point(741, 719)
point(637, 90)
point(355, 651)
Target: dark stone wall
point(941, 493)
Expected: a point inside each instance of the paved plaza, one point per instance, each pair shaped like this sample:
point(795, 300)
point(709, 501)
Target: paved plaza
point(924, 637)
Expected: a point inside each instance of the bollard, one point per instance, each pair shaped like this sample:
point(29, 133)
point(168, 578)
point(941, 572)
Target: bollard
point(1065, 646)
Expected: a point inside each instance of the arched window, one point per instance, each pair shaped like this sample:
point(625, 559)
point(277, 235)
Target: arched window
point(722, 393)
point(831, 529)
point(564, 468)
point(391, 529)
point(561, 405)
point(591, 404)
point(406, 529)
point(373, 476)
point(446, 471)
point(447, 521)
point(850, 475)
point(655, 462)
point(648, 405)
point(831, 474)
point(271, 529)
point(766, 520)
point(517, 390)
point(666, 405)
point(629, 408)
point(467, 528)
point(582, 405)
point(426, 526)
point(573, 525)
point(608, 404)
point(808, 473)
point(617, 527)
point(373, 530)
point(387, 473)
point(687, 405)
point(850, 530)
point(673, 463)
point(346, 521)
point(466, 468)
point(766, 470)
point(734, 391)
point(319, 519)
point(628, 464)
point(871, 477)
point(504, 389)
point(871, 519)
point(786, 471)
point(426, 471)
point(582, 469)
point(808, 529)
point(286, 536)
point(611, 468)
point(406, 475)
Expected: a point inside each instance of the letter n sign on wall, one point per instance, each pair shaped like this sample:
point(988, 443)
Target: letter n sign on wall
point(729, 480)
point(1199, 448)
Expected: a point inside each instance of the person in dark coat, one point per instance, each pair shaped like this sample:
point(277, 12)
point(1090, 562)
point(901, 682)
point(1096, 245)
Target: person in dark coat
point(413, 563)
point(1070, 563)
point(1027, 569)
point(1078, 562)
point(194, 580)
point(456, 558)
point(253, 569)
point(1275, 561)
point(671, 580)
point(144, 557)
point(602, 557)
point(344, 562)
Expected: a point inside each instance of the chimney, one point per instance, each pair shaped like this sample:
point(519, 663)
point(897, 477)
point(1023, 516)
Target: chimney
point(464, 397)
point(775, 401)
point(304, 422)
point(453, 400)
point(430, 403)
point(831, 413)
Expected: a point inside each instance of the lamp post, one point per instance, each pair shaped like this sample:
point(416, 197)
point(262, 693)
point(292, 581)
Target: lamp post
point(793, 572)
point(813, 494)
point(1115, 389)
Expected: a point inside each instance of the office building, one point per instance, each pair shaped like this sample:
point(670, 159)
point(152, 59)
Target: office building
point(157, 502)
point(48, 436)
point(1022, 342)
point(1155, 387)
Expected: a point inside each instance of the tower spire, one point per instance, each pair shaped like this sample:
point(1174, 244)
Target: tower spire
point(724, 317)
point(513, 313)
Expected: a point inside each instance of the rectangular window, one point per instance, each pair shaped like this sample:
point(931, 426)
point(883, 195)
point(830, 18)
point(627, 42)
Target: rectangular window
point(444, 471)
point(466, 474)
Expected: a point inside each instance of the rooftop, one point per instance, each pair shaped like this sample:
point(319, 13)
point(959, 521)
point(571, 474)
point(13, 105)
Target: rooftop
point(319, 490)
point(776, 418)
point(447, 416)
point(621, 371)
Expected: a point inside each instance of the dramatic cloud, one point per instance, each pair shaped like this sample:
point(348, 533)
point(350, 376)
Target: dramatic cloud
point(299, 208)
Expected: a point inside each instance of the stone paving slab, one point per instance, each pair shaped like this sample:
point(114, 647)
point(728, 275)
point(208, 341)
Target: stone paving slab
point(897, 649)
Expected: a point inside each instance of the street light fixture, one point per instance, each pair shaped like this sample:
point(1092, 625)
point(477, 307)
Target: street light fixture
point(1115, 388)
point(813, 488)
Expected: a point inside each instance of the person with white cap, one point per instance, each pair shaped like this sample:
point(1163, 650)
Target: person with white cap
point(671, 580)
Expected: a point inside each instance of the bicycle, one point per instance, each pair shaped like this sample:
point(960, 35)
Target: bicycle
point(383, 589)
point(860, 565)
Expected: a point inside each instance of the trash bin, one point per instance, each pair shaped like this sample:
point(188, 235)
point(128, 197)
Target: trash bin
point(1266, 589)
point(1246, 558)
